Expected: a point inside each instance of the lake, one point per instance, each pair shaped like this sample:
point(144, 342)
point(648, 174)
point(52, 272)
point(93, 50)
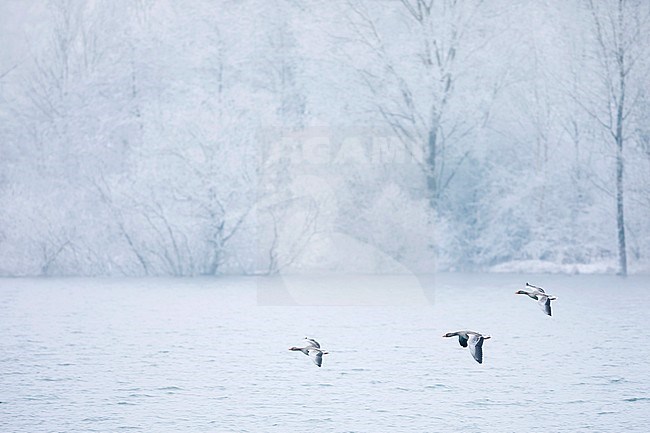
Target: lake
point(211, 354)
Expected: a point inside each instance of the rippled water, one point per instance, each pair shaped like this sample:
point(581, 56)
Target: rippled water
point(203, 355)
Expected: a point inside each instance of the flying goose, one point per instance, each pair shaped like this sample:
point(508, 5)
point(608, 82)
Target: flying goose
point(472, 339)
point(313, 350)
point(537, 293)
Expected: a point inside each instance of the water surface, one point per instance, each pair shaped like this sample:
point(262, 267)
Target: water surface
point(206, 355)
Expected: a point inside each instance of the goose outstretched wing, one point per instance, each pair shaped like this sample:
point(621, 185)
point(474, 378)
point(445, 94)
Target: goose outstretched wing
point(545, 304)
point(312, 342)
point(476, 347)
point(316, 355)
point(539, 289)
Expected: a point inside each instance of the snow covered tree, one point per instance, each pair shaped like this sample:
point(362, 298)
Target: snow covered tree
point(620, 32)
point(415, 57)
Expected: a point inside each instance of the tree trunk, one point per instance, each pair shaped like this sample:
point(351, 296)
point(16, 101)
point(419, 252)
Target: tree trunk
point(620, 216)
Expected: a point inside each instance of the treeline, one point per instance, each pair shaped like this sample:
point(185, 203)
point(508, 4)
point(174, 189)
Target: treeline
point(159, 138)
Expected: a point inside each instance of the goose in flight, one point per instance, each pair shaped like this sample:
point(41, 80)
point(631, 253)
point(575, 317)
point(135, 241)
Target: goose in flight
point(543, 299)
point(313, 350)
point(471, 339)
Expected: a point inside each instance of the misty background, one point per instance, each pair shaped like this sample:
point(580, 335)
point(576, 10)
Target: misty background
point(263, 136)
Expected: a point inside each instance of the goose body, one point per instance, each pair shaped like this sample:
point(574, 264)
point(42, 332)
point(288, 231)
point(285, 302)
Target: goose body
point(311, 349)
point(471, 339)
point(537, 293)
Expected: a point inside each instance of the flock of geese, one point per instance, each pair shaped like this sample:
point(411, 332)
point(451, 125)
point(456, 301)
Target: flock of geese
point(472, 340)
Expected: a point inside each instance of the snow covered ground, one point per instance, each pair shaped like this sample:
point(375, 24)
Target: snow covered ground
point(170, 355)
